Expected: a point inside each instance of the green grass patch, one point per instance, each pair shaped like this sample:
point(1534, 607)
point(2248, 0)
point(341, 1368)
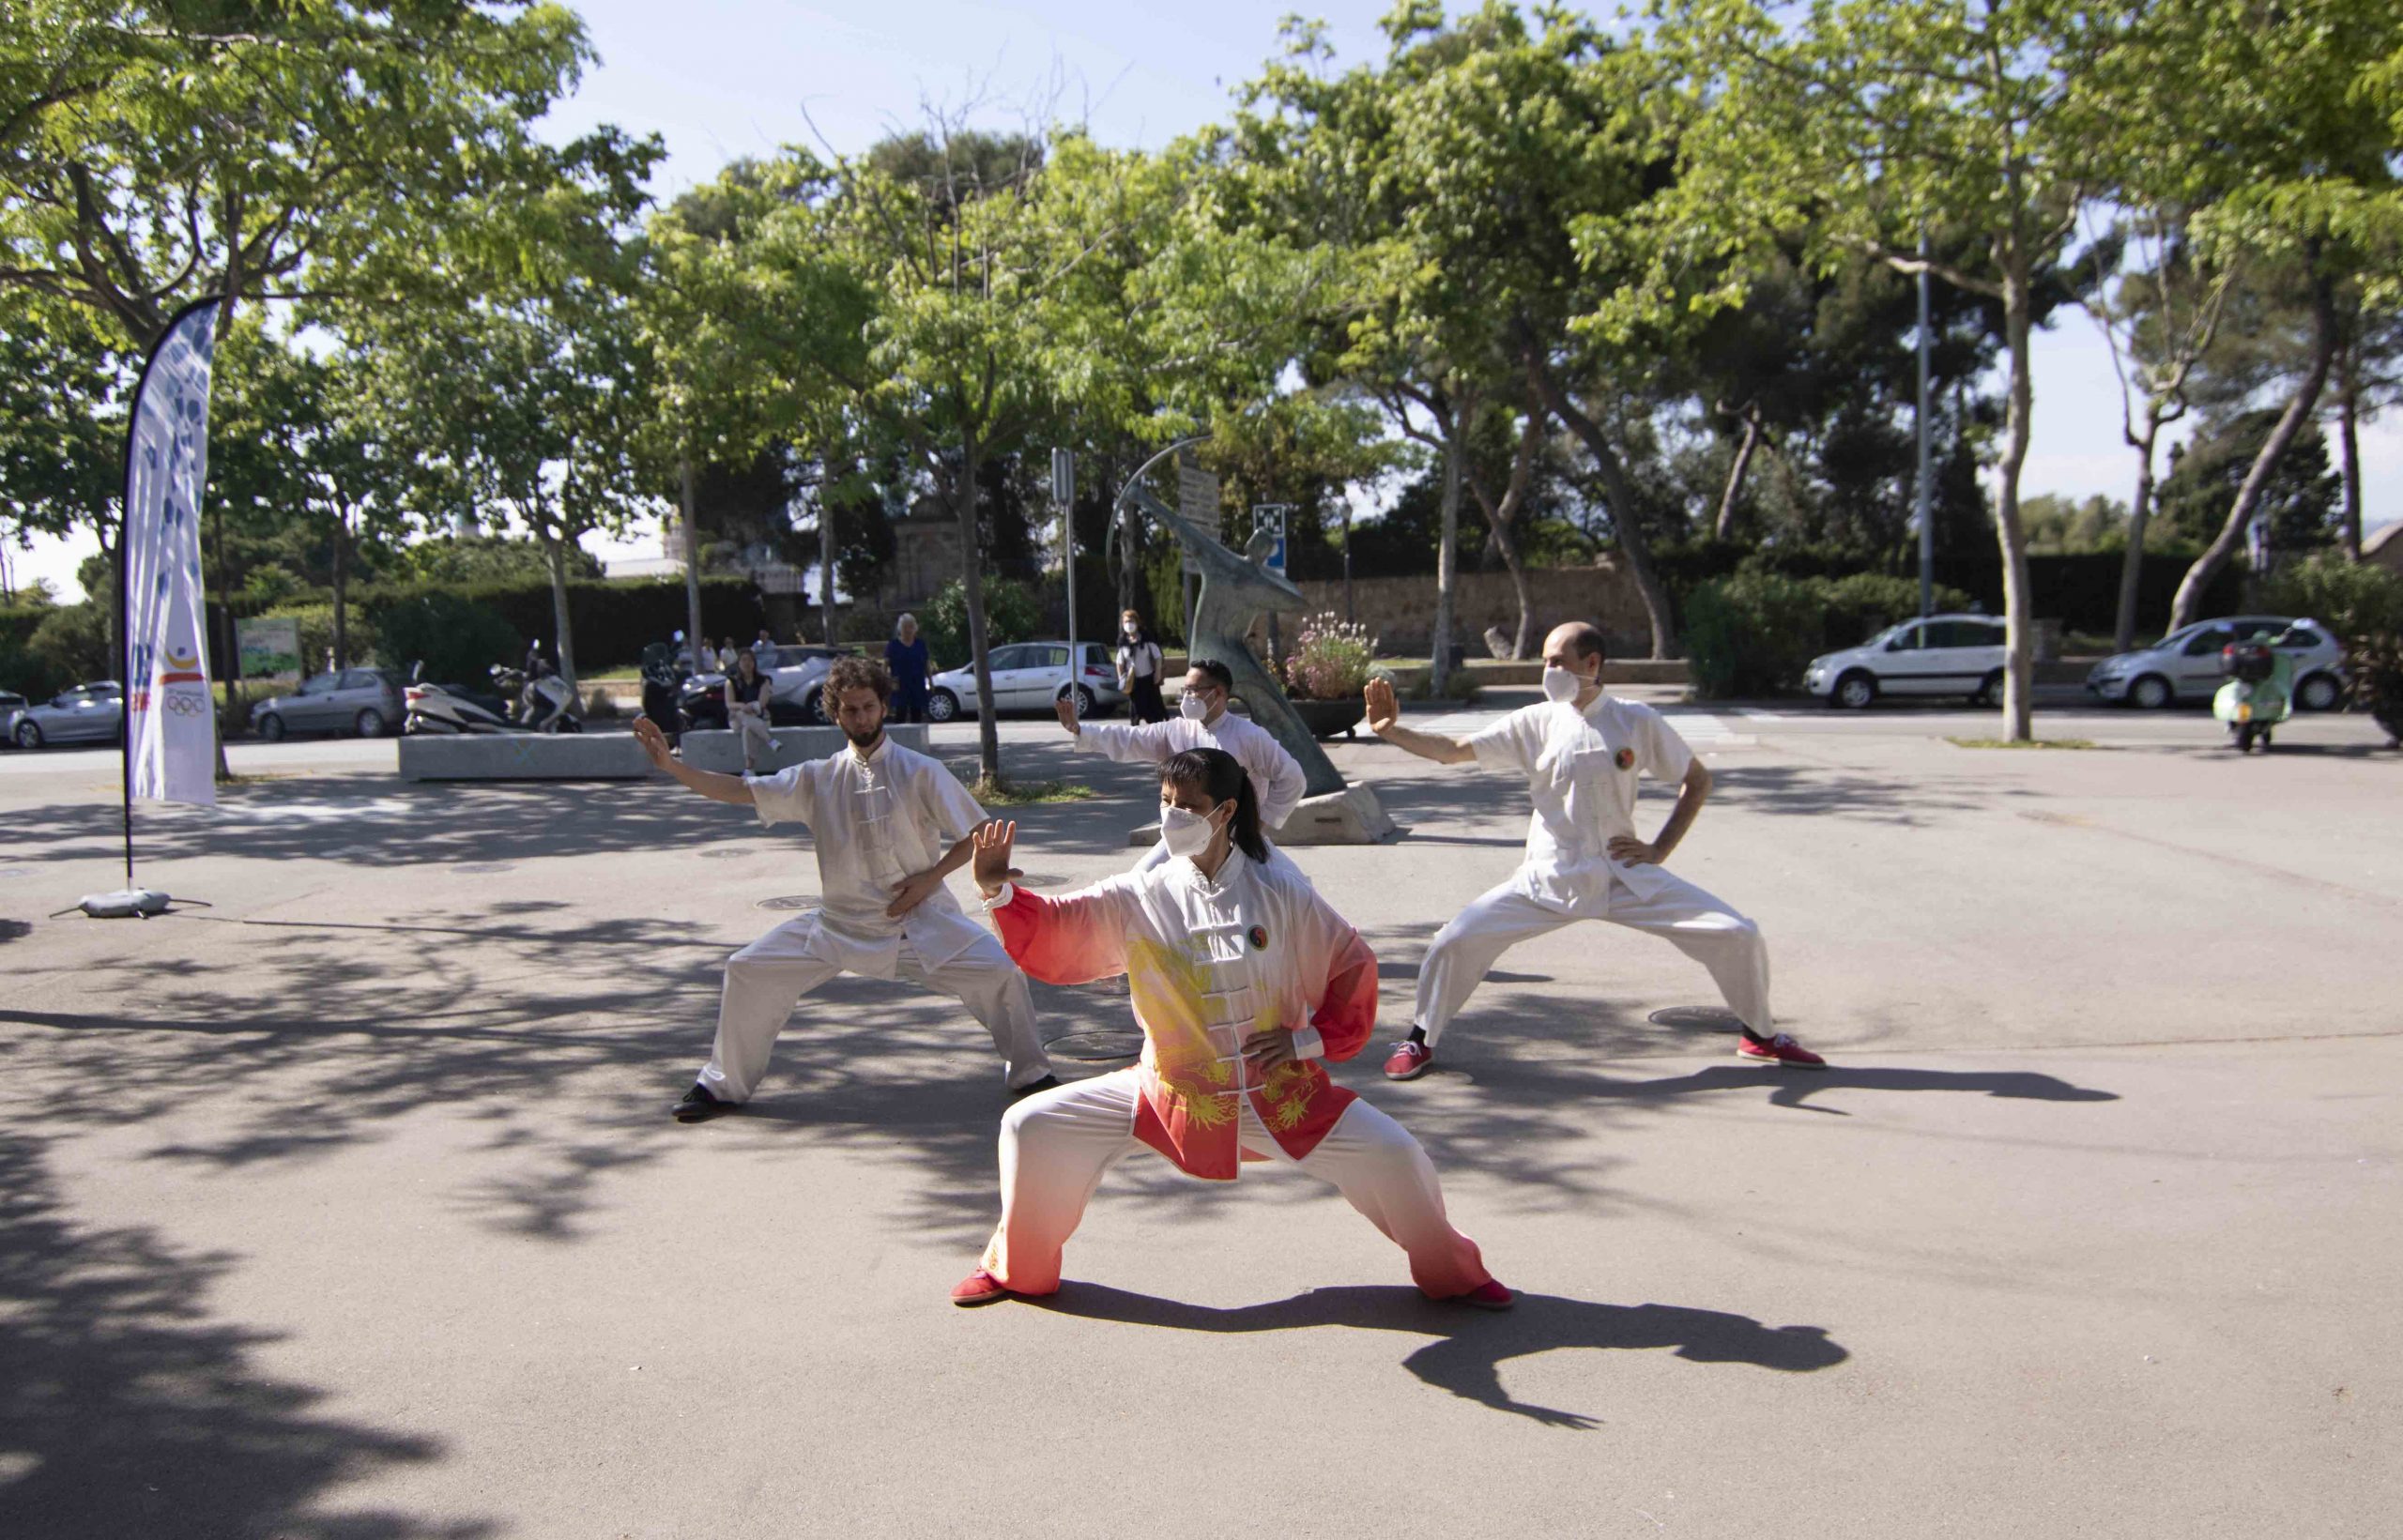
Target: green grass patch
point(1029, 793)
point(2029, 743)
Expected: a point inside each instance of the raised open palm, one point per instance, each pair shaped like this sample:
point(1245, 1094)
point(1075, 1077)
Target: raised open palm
point(993, 859)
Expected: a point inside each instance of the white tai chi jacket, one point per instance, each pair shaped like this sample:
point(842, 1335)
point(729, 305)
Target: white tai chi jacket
point(1276, 777)
point(1580, 769)
point(876, 822)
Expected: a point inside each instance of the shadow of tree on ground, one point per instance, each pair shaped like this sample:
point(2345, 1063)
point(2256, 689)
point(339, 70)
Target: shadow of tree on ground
point(125, 1411)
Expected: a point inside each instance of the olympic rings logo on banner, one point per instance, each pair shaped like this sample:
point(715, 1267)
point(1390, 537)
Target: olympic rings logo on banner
point(186, 705)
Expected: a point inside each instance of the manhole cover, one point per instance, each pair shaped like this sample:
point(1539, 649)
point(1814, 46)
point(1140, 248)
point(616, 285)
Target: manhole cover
point(1694, 1017)
point(1038, 879)
point(798, 901)
point(730, 853)
point(1096, 1047)
point(480, 867)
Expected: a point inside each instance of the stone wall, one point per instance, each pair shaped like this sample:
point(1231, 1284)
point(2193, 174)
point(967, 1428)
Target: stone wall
point(1400, 611)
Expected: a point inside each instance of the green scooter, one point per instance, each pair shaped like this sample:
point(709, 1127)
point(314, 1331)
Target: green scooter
point(2259, 694)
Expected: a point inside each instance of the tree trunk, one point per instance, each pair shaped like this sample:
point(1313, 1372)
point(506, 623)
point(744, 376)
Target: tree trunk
point(2123, 634)
point(556, 549)
point(989, 738)
point(341, 591)
point(2248, 496)
point(1723, 528)
point(826, 565)
point(1447, 562)
point(1621, 493)
point(2349, 446)
point(2018, 664)
point(223, 329)
point(1501, 518)
point(692, 561)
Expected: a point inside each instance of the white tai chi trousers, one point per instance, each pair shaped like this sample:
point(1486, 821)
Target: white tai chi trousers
point(1694, 921)
point(754, 728)
point(1056, 1146)
point(767, 978)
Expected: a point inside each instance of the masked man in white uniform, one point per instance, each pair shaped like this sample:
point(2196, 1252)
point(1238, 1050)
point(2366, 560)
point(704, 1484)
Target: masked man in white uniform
point(890, 825)
point(1202, 722)
point(1581, 753)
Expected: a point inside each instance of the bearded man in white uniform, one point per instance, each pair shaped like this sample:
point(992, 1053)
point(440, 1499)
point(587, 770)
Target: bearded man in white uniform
point(890, 825)
point(1202, 722)
point(1580, 751)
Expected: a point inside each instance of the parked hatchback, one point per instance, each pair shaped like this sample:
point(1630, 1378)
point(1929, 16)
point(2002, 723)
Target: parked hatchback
point(2184, 665)
point(1959, 655)
point(89, 713)
point(366, 701)
point(1029, 677)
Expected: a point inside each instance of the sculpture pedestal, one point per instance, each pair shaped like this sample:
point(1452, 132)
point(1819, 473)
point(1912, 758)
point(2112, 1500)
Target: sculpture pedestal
point(1350, 817)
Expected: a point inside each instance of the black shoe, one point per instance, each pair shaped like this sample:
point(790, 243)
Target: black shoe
point(1050, 1082)
point(700, 1106)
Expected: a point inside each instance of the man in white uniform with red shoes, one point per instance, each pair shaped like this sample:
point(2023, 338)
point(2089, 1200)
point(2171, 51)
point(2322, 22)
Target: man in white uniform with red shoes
point(1581, 753)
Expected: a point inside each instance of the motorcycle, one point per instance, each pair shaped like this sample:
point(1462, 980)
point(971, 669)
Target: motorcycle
point(545, 705)
point(2259, 694)
point(450, 709)
point(701, 701)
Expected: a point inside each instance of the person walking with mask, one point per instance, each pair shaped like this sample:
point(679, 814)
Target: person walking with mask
point(1202, 722)
point(890, 825)
point(1243, 980)
point(1580, 751)
point(1138, 670)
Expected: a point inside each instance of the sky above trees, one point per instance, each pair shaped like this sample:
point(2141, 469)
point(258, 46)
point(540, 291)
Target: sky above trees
point(731, 78)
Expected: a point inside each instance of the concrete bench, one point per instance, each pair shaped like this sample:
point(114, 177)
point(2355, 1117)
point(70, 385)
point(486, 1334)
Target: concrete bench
point(522, 756)
point(721, 750)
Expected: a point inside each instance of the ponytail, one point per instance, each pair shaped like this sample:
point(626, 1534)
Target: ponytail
point(1246, 828)
point(1219, 776)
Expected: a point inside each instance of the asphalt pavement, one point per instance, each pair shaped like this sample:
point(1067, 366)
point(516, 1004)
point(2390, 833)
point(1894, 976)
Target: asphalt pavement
point(349, 1206)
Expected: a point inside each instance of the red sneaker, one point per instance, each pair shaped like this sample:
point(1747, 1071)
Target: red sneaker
point(978, 1288)
point(1489, 1295)
point(1409, 1061)
point(1781, 1049)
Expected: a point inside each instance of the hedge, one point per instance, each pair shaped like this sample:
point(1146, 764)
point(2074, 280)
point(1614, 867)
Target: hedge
point(1753, 633)
point(613, 621)
point(2082, 591)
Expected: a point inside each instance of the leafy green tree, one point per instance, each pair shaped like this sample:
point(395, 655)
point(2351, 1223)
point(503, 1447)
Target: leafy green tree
point(157, 152)
point(2300, 500)
point(1865, 125)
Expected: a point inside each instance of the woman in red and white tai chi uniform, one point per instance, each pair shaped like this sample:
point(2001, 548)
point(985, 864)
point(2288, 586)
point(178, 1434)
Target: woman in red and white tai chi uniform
point(1243, 980)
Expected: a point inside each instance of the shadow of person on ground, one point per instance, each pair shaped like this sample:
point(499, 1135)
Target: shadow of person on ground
point(1470, 1347)
point(1793, 1087)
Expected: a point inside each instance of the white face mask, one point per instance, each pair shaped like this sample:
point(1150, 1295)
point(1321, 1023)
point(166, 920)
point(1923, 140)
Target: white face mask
point(1185, 834)
point(1562, 685)
point(1192, 707)
point(1130, 629)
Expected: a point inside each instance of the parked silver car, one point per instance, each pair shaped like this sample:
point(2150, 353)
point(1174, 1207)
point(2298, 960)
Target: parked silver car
point(89, 713)
point(2184, 665)
point(366, 701)
point(1957, 655)
point(1029, 677)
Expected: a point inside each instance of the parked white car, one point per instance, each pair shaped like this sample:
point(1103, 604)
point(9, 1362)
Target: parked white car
point(1029, 677)
point(2184, 665)
point(1959, 655)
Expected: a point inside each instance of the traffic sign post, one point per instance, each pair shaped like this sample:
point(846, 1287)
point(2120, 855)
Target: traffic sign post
point(1270, 517)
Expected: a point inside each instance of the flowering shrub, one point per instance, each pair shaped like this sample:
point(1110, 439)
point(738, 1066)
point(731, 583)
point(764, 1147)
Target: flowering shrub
point(1330, 659)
